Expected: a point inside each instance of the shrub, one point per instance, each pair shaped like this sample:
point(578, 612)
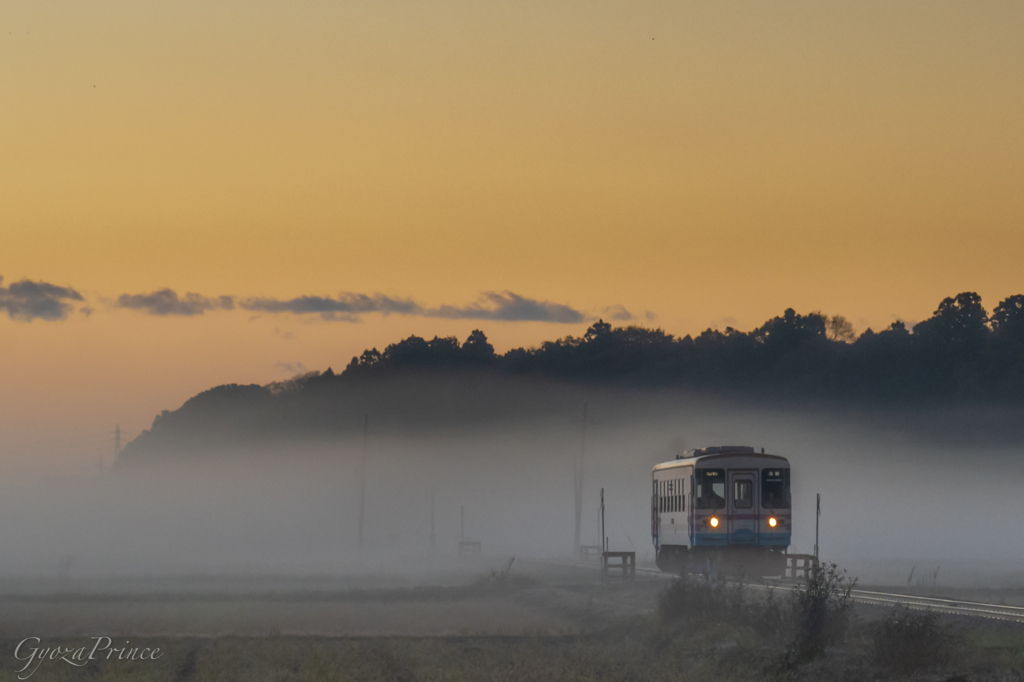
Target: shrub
point(907, 641)
point(821, 611)
point(814, 616)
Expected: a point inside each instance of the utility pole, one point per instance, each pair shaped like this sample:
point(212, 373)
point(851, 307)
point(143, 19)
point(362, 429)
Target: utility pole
point(604, 538)
point(432, 536)
point(578, 482)
point(462, 523)
point(362, 479)
point(816, 520)
point(117, 442)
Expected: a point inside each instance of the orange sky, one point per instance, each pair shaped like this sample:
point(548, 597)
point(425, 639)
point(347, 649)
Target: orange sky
point(712, 163)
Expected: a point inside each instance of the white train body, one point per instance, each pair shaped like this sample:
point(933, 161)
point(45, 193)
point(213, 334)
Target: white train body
point(728, 504)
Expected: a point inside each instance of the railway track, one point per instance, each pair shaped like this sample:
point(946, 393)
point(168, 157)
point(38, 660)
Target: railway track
point(959, 607)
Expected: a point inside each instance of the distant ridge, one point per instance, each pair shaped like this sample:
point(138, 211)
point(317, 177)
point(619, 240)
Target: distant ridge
point(960, 356)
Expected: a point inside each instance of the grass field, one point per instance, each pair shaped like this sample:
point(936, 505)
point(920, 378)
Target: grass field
point(543, 624)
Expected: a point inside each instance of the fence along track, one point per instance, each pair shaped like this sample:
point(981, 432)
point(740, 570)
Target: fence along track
point(953, 606)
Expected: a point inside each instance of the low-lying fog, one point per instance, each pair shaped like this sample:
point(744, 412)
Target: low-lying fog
point(892, 498)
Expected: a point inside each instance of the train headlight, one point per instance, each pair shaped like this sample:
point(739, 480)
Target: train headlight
point(772, 521)
point(714, 522)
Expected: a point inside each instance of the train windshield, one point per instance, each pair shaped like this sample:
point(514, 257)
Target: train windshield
point(775, 488)
point(711, 489)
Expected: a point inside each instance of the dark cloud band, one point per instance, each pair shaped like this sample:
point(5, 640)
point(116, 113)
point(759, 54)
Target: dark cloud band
point(505, 307)
point(167, 302)
point(27, 300)
point(348, 307)
point(509, 307)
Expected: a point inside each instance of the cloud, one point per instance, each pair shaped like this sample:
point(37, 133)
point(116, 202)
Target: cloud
point(345, 308)
point(166, 302)
point(27, 300)
point(618, 313)
point(509, 307)
point(349, 307)
point(291, 367)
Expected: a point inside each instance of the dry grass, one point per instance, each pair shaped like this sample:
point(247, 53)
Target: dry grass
point(599, 636)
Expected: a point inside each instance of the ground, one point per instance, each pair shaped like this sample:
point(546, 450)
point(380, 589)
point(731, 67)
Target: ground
point(539, 621)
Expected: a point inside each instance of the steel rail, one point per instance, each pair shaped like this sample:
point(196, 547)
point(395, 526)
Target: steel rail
point(963, 607)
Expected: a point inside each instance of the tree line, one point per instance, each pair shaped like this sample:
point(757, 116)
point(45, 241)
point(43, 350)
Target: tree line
point(960, 353)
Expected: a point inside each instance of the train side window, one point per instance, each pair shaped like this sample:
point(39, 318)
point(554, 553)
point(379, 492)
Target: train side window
point(742, 494)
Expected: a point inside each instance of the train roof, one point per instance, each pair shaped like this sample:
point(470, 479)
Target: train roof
point(692, 457)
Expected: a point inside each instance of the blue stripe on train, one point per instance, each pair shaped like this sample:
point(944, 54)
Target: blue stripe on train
point(710, 540)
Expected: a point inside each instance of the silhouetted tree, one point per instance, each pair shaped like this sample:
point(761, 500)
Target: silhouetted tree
point(1008, 318)
point(1006, 356)
point(477, 349)
point(959, 323)
point(838, 328)
point(949, 346)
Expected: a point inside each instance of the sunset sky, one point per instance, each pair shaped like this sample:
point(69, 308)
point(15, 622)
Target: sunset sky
point(434, 167)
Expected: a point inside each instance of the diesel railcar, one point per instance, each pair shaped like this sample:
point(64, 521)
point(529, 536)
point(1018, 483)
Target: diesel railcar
point(725, 506)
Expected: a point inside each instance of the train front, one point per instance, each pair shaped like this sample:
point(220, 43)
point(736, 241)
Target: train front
point(738, 504)
point(739, 518)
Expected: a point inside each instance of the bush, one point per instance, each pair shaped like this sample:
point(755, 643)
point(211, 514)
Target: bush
point(815, 616)
point(907, 641)
point(821, 612)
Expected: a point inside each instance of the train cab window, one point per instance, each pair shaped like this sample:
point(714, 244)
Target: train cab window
point(710, 488)
point(742, 494)
point(775, 489)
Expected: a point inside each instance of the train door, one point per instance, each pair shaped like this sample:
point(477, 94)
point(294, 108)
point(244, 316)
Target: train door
point(742, 512)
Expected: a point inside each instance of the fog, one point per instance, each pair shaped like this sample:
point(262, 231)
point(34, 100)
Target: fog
point(897, 492)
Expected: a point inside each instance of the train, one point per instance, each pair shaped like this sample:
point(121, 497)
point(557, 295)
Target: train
point(726, 508)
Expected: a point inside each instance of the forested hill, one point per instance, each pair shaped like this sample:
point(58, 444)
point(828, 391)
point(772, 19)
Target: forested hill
point(960, 355)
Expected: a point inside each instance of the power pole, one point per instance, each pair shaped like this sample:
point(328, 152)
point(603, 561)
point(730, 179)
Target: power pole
point(462, 523)
point(816, 520)
point(578, 482)
point(117, 442)
point(432, 536)
point(362, 479)
point(604, 538)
